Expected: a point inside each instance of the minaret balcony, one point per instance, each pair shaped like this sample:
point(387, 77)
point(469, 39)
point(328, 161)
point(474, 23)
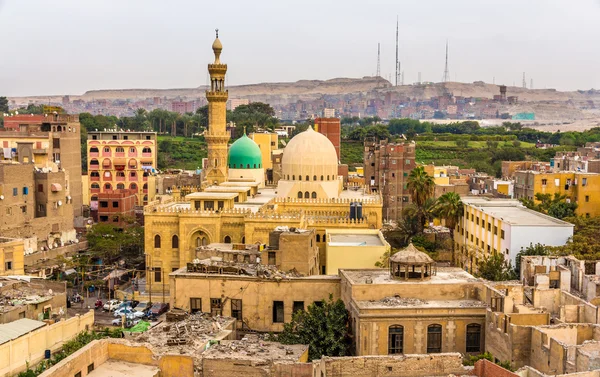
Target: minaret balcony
point(217, 96)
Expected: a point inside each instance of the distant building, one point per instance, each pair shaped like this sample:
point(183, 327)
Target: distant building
point(579, 187)
point(117, 207)
point(328, 113)
point(387, 167)
point(331, 128)
point(121, 160)
point(12, 254)
point(235, 102)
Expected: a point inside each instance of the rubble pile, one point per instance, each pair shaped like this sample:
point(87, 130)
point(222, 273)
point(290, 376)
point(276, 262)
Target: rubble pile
point(253, 345)
point(217, 266)
point(19, 293)
point(400, 301)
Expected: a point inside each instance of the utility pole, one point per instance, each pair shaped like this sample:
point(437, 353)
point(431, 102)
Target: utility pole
point(397, 62)
point(378, 61)
point(446, 76)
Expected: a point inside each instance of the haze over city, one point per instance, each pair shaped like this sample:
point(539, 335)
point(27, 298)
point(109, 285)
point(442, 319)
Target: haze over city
point(70, 47)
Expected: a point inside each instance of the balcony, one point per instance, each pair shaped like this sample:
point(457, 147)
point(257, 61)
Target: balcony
point(94, 166)
point(94, 179)
point(132, 154)
point(119, 154)
point(120, 178)
point(94, 190)
point(106, 154)
point(146, 154)
point(145, 191)
point(145, 178)
point(133, 178)
point(94, 154)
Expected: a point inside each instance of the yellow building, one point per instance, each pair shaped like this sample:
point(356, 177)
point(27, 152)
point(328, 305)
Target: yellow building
point(121, 160)
point(12, 254)
point(503, 226)
point(579, 187)
point(267, 142)
point(439, 173)
point(353, 248)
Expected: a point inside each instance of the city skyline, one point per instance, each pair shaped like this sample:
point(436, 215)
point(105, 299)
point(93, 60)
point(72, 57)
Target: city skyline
point(152, 45)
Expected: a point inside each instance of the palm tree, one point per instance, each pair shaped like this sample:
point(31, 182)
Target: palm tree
point(423, 213)
point(421, 186)
point(450, 208)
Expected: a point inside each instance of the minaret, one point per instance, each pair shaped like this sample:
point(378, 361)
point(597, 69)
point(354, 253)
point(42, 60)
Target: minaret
point(216, 135)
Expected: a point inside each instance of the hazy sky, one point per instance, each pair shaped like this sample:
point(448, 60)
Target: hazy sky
point(70, 46)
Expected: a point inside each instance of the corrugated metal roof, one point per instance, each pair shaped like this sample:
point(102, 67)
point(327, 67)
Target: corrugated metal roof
point(20, 327)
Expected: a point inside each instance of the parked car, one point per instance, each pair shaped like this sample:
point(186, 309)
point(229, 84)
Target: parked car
point(111, 305)
point(129, 322)
point(128, 304)
point(142, 306)
point(157, 309)
point(127, 311)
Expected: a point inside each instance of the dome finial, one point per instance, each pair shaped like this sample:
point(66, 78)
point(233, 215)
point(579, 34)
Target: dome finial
point(217, 47)
point(244, 130)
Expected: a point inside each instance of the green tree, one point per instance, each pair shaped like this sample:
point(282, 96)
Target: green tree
point(3, 105)
point(111, 243)
point(462, 143)
point(421, 186)
point(422, 214)
point(495, 268)
point(324, 327)
point(450, 208)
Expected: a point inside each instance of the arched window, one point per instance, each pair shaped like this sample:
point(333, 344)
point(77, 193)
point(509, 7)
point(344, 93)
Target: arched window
point(146, 150)
point(293, 177)
point(318, 238)
point(313, 195)
point(434, 338)
point(95, 174)
point(145, 198)
point(307, 178)
point(119, 174)
point(299, 177)
point(474, 337)
point(254, 166)
point(145, 187)
point(94, 198)
point(95, 186)
point(132, 174)
point(395, 339)
point(244, 239)
point(133, 186)
point(306, 195)
point(157, 242)
point(120, 150)
point(321, 178)
point(120, 186)
point(328, 178)
point(299, 194)
point(314, 177)
point(94, 150)
point(227, 239)
point(175, 242)
point(94, 162)
point(106, 150)
point(247, 166)
point(198, 242)
point(107, 186)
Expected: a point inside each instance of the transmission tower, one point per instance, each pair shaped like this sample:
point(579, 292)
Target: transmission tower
point(378, 61)
point(530, 83)
point(446, 77)
point(524, 82)
point(397, 62)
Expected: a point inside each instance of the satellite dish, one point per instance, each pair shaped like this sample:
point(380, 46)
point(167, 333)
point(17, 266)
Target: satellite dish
point(1, 197)
point(60, 202)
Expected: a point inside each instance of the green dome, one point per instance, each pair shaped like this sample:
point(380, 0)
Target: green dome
point(244, 154)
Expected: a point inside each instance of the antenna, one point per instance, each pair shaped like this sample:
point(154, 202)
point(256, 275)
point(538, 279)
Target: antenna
point(446, 76)
point(524, 82)
point(531, 84)
point(397, 62)
point(378, 61)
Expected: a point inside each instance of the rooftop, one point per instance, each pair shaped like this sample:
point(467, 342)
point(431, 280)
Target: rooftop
point(445, 275)
point(211, 195)
point(252, 347)
point(18, 328)
point(340, 239)
point(117, 368)
point(406, 302)
point(513, 212)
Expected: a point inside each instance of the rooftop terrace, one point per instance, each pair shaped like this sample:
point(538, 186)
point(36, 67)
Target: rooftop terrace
point(445, 275)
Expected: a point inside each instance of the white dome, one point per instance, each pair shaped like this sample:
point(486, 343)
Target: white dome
point(309, 154)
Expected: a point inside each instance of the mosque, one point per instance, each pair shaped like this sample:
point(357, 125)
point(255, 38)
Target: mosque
point(237, 206)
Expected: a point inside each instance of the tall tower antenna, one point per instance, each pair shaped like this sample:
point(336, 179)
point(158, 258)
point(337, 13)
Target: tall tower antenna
point(530, 83)
point(446, 77)
point(397, 62)
point(524, 82)
point(378, 61)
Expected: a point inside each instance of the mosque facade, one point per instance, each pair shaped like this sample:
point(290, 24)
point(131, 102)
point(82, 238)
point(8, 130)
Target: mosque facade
point(235, 205)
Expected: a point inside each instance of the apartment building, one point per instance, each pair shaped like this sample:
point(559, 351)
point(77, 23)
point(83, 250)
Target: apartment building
point(35, 204)
point(387, 166)
point(12, 255)
point(579, 187)
point(49, 141)
point(504, 226)
point(120, 160)
point(330, 127)
point(117, 207)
